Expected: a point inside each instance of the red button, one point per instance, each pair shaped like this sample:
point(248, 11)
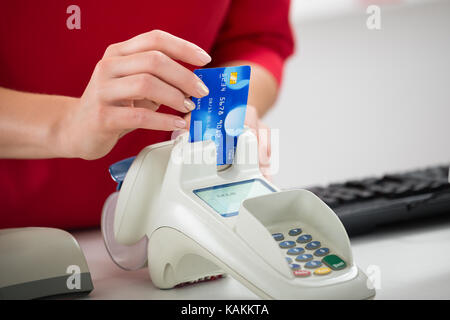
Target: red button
point(302, 273)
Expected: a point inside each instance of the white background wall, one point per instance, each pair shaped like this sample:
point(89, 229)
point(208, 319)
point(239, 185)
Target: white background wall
point(358, 102)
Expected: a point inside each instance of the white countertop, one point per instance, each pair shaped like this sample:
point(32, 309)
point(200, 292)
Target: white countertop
point(413, 260)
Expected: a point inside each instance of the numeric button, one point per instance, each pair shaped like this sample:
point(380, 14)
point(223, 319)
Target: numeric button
point(304, 238)
point(295, 251)
point(321, 252)
point(294, 266)
point(278, 236)
point(313, 264)
point(287, 244)
point(313, 245)
point(304, 257)
point(295, 232)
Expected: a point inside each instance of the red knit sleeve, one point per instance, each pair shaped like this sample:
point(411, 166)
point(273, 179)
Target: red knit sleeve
point(257, 31)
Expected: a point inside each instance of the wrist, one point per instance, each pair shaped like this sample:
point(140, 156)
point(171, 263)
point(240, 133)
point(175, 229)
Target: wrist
point(60, 136)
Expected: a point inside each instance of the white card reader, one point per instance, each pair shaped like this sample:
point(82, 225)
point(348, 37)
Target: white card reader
point(186, 220)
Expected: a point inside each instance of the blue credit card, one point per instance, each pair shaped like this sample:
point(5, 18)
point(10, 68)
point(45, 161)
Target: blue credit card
point(220, 115)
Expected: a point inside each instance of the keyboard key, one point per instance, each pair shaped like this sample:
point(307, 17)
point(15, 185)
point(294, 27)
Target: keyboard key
point(331, 201)
point(362, 183)
point(302, 273)
point(438, 185)
point(294, 266)
point(289, 260)
point(313, 264)
point(304, 238)
point(334, 262)
point(278, 236)
point(295, 251)
point(304, 257)
point(344, 195)
point(295, 232)
point(402, 190)
point(287, 244)
point(321, 252)
point(385, 189)
point(313, 245)
point(363, 194)
point(421, 186)
point(322, 271)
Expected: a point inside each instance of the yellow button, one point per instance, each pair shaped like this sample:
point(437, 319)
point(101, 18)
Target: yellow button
point(322, 271)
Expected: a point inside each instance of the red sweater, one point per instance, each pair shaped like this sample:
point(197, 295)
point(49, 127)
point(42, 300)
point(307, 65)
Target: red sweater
point(39, 53)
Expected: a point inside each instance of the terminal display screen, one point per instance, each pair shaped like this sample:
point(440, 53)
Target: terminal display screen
point(226, 199)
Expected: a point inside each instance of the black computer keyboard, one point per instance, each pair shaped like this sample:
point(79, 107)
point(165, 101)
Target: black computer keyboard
point(364, 204)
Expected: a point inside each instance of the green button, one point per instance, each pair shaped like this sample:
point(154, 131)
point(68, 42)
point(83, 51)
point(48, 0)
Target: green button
point(334, 262)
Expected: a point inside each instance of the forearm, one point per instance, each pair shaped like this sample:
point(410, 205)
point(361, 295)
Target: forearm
point(263, 87)
point(31, 124)
point(127, 86)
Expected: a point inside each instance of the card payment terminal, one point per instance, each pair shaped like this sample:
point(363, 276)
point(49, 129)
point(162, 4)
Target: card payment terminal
point(185, 220)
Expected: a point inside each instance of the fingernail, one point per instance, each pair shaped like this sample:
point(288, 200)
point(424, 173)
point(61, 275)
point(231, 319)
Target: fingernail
point(189, 104)
point(180, 123)
point(203, 56)
point(202, 89)
point(176, 133)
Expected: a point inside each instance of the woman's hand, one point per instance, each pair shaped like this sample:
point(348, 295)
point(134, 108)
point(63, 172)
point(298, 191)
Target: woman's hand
point(128, 85)
point(262, 132)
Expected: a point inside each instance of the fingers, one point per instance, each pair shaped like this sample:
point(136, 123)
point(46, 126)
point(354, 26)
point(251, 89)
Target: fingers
point(264, 135)
point(187, 117)
point(145, 103)
point(158, 40)
point(145, 86)
point(134, 118)
point(261, 131)
point(159, 65)
point(251, 119)
point(143, 70)
point(177, 133)
point(264, 150)
point(263, 146)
